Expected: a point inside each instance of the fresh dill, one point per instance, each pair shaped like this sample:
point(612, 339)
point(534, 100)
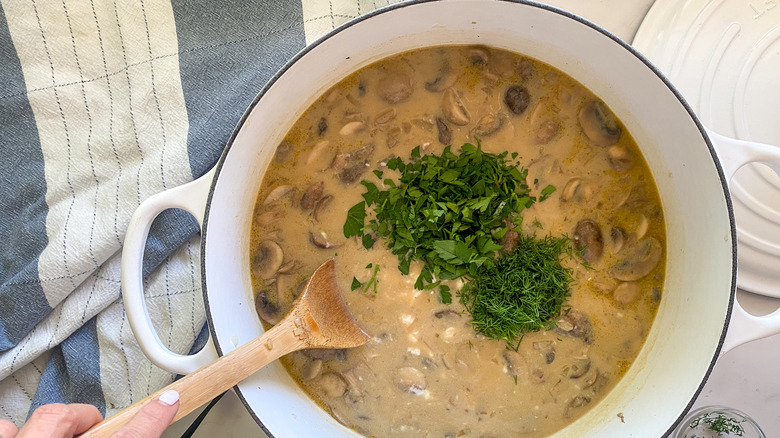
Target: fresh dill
point(522, 292)
point(718, 423)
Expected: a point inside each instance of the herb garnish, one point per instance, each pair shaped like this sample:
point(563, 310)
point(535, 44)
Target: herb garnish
point(451, 212)
point(522, 292)
point(719, 423)
point(446, 210)
point(356, 284)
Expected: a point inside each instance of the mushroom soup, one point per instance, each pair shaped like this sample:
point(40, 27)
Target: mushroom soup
point(432, 369)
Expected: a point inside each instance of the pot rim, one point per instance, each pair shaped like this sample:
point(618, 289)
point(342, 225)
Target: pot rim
point(528, 3)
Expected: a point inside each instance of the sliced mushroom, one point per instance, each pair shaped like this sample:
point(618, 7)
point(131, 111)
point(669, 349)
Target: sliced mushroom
point(339, 161)
point(536, 376)
point(579, 401)
point(277, 193)
point(479, 55)
point(321, 241)
point(546, 131)
point(591, 377)
point(325, 353)
point(428, 363)
point(395, 87)
point(599, 124)
point(627, 293)
point(283, 152)
point(354, 377)
point(617, 237)
point(502, 64)
point(570, 189)
point(312, 369)
point(642, 227)
point(312, 194)
point(445, 79)
point(588, 240)
point(578, 368)
point(547, 349)
point(322, 126)
point(352, 173)
point(620, 158)
point(525, 69)
point(268, 218)
point(331, 385)
point(321, 206)
point(410, 380)
point(640, 259)
point(352, 128)
point(517, 99)
point(393, 137)
point(289, 266)
point(426, 123)
point(515, 362)
point(385, 117)
point(266, 309)
point(453, 108)
point(363, 153)
point(267, 259)
point(445, 134)
point(447, 313)
point(489, 125)
point(576, 325)
point(320, 153)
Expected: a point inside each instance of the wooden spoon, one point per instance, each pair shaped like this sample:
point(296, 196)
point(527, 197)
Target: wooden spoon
point(318, 319)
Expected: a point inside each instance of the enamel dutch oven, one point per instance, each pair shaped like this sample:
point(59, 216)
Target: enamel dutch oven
point(698, 302)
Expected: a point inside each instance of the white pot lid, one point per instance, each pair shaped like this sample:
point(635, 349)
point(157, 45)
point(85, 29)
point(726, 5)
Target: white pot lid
point(724, 57)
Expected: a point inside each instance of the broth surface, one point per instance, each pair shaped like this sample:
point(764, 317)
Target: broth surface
point(427, 372)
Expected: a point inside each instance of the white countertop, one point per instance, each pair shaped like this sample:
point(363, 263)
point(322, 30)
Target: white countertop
point(743, 378)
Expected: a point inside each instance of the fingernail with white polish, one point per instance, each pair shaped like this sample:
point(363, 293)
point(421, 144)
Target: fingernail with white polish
point(169, 397)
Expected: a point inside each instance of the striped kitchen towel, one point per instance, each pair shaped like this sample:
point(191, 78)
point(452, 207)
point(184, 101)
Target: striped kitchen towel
point(102, 104)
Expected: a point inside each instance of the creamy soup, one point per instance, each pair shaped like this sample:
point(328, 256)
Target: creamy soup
point(427, 371)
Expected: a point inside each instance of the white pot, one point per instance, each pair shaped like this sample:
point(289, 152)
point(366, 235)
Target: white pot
point(698, 301)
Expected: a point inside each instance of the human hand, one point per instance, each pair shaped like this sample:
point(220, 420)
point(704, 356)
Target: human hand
point(64, 421)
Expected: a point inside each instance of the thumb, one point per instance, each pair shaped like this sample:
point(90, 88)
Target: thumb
point(152, 420)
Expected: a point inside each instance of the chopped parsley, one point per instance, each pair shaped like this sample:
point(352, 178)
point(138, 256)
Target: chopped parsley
point(451, 212)
point(447, 211)
point(372, 282)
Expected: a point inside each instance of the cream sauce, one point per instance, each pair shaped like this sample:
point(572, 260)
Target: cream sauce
point(426, 372)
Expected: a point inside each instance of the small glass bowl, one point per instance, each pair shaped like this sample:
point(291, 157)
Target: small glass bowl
point(718, 422)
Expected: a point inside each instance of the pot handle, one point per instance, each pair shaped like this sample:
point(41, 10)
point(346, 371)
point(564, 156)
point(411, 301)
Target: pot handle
point(733, 154)
point(191, 197)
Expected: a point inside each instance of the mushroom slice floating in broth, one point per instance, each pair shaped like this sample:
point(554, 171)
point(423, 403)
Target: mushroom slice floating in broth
point(410, 380)
point(312, 194)
point(445, 79)
point(576, 325)
point(640, 259)
point(588, 240)
point(267, 258)
point(395, 87)
point(453, 108)
point(266, 309)
point(489, 125)
point(277, 194)
point(599, 124)
point(517, 98)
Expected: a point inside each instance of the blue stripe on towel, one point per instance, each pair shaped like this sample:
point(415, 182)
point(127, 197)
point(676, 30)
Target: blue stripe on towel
point(228, 50)
point(72, 374)
point(23, 206)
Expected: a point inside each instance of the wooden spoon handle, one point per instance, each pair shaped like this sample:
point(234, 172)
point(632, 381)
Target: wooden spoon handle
point(200, 386)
